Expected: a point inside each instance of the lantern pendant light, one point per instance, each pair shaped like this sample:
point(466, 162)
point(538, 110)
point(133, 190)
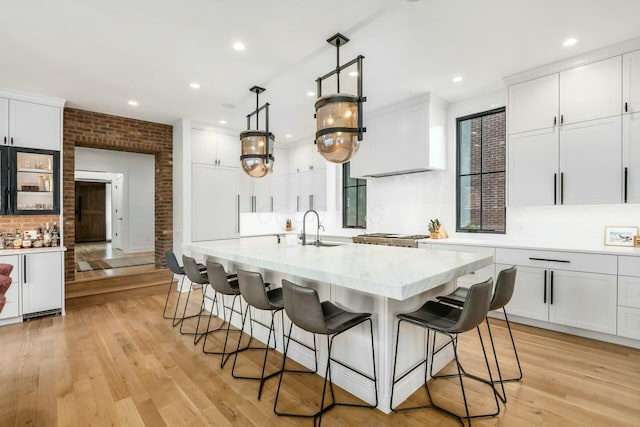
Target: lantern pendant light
point(339, 116)
point(257, 145)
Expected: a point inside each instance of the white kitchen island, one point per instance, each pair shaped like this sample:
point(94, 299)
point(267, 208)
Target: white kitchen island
point(381, 280)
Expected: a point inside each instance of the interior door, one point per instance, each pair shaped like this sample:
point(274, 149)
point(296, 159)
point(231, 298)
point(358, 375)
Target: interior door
point(90, 212)
point(117, 214)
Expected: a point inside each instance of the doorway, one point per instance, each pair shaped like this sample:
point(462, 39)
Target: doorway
point(91, 212)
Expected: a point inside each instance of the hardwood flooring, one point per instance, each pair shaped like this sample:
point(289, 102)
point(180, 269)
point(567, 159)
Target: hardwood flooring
point(119, 363)
point(101, 259)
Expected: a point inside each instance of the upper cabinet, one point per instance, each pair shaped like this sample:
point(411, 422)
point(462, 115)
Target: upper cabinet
point(534, 104)
point(216, 149)
point(403, 138)
point(631, 158)
point(591, 91)
point(30, 125)
point(631, 82)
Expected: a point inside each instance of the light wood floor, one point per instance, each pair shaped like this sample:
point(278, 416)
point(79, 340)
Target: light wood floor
point(98, 252)
point(120, 363)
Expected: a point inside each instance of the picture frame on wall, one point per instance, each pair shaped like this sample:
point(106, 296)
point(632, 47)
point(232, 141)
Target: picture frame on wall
point(619, 236)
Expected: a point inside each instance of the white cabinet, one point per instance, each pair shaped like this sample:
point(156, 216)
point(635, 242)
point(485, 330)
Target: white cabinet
point(34, 125)
point(318, 189)
point(307, 178)
point(13, 307)
point(530, 293)
point(301, 158)
point(280, 193)
point(534, 104)
point(629, 297)
point(212, 148)
point(533, 167)
point(592, 91)
point(215, 202)
point(406, 137)
point(42, 282)
point(631, 157)
point(590, 162)
point(583, 300)
point(631, 82)
point(4, 121)
point(629, 322)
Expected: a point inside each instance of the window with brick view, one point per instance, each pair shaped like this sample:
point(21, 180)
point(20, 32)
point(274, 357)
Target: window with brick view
point(480, 172)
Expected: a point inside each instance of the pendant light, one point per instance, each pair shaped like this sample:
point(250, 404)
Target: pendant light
point(339, 116)
point(257, 145)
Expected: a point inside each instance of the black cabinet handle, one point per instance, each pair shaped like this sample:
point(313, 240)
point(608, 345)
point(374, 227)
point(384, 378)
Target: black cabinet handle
point(626, 181)
point(562, 188)
point(549, 260)
point(5, 140)
point(551, 299)
point(24, 269)
point(561, 118)
point(626, 107)
point(11, 140)
point(555, 188)
point(555, 120)
point(545, 287)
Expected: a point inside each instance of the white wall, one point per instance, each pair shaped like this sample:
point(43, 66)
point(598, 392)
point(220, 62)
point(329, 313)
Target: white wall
point(139, 172)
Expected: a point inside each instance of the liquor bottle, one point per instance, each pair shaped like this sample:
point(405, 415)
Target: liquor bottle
point(55, 239)
point(47, 236)
point(1, 241)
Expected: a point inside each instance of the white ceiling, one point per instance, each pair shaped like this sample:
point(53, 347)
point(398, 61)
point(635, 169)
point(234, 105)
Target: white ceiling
point(100, 54)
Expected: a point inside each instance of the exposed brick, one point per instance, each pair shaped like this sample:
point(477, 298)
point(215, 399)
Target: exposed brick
point(96, 130)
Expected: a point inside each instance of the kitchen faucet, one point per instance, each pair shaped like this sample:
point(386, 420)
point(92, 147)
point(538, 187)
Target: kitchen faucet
point(304, 228)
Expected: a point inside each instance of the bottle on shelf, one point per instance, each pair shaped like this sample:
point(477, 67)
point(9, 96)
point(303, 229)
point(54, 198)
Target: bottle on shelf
point(47, 236)
point(1, 241)
point(55, 239)
point(17, 241)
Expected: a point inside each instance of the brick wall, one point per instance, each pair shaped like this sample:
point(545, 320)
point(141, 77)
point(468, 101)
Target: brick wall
point(103, 131)
point(8, 224)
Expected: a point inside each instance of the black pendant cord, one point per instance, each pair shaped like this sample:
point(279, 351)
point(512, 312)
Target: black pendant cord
point(338, 64)
point(257, 111)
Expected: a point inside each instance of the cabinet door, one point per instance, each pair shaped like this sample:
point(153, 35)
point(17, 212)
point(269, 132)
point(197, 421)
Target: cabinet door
point(203, 147)
point(629, 322)
point(280, 193)
point(530, 294)
point(246, 193)
point(319, 189)
point(592, 91)
point(590, 162)
point(300, 158)
point(534, 104)
point(631, 82)
point(583, 300)
point(228, 150)
point(42, 282)
point(4, 121)
point(281, 161)
point(262, 194)
point(533, 168)
point(12, 306)
point(214, 198)
point(34, 125)
point(631, 158)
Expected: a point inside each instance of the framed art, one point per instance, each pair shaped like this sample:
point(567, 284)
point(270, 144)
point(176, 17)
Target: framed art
point(619, 236)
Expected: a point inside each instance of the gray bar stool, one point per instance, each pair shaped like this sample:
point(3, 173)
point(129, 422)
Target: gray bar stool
point(198, 277)
point(449, 321)
point(325, 318)
point(224, 284)
point(254, 291)
point(177, 270)
point(502, 294)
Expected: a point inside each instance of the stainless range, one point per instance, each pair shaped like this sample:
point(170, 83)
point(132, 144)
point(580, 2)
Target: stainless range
point(388, 239)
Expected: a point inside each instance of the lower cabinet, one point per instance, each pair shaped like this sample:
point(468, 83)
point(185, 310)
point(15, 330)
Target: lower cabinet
point(12, 307)
point(41, 282)
point(571, 298)
point(37, 286)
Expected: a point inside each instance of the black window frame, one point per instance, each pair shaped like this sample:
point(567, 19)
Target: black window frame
point(481, 173)
point(361, 185)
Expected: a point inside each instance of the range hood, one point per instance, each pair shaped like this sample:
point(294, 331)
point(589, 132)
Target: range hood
point(403, 138)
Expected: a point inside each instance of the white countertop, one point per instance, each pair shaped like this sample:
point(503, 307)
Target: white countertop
point(31, 250)
point(398, 273)
point(547, 246)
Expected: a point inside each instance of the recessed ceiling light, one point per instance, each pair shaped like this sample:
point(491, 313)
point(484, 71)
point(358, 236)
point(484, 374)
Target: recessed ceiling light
point(239, 46)
point(353, 74)
point(195, 85)
point(288, 135)
point(457, 79)
point(311, 94)
point(223, 122)
point(569, 42)
point(133, 103)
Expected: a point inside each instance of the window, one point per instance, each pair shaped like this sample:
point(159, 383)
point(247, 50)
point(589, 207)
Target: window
point(480, 172)
point(354, 200)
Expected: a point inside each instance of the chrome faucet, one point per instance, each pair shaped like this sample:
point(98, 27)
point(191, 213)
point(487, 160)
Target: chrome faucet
point(304, 228)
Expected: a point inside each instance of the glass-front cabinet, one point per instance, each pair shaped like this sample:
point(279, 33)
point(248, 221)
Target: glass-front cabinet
point(30, 184)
